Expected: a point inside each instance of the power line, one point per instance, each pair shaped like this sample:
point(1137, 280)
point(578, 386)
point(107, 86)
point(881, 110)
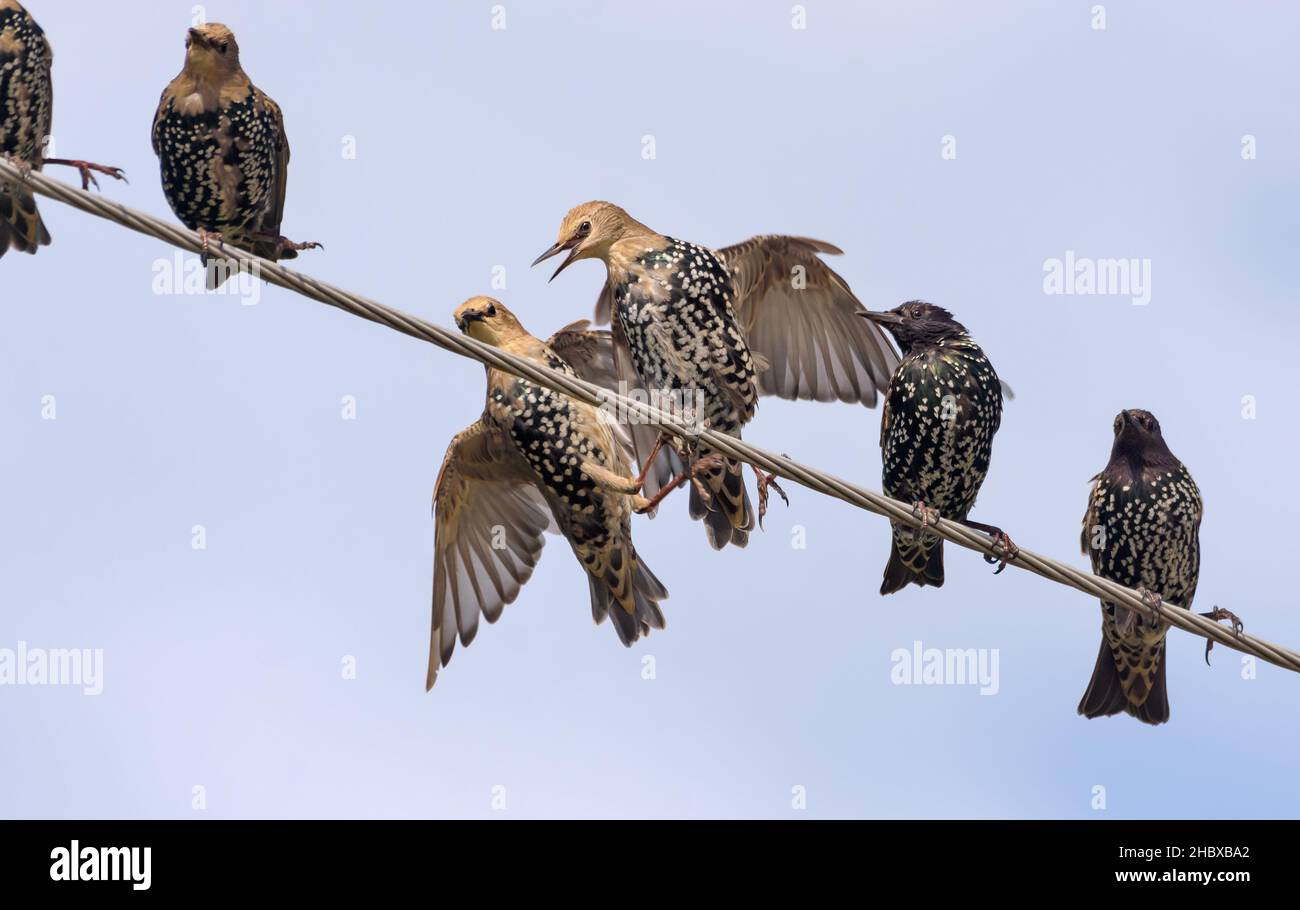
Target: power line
point(592, 394)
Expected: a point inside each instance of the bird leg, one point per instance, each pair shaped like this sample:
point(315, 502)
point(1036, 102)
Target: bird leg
point(1000, 542)
point(707, 463)
point(207, 238)
point(86, 168)
point(764, 482)
point(1219, 614)
point(1129, 622)
point(24, 166)
point(650, 462)
point(927, 515)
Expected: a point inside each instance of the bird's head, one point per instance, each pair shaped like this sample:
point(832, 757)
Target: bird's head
point(488, 321)
point(916, 324)
point(1138, 439)
point(211, 51)
point(588, 231)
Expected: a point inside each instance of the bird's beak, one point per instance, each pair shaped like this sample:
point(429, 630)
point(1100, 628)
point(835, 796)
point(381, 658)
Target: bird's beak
point(473, 323)
point(197, 37)
point(885, 318)
point(558, 247)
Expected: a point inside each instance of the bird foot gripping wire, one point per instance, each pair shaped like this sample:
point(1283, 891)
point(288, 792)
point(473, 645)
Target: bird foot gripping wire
point(87, 169)
point(766, 481)
point(206, 239)
point(1128, 622)
point(1219, 614)
point(1004, 548)
point(927, 515)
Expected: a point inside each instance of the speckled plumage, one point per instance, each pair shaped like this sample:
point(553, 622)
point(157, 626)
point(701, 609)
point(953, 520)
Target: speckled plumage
point(561, 459)
point(688, 322)
point(1142, 530)
point(942, 409)
point(222, 148)
point(672, 304)
point(26, 112)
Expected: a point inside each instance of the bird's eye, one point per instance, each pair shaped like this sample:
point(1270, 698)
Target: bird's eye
point(223, 47)
point(492, 309)
point(585, 227)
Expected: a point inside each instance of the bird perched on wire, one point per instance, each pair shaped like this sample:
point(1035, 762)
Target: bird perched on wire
point(943, 406)
point(536, 460)
point(26, 114)
point(1142, 530)
point(223, 151)
point(705, 332)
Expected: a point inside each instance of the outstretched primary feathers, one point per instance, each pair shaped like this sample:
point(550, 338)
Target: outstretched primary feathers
point(719, 327)
point(536, 460)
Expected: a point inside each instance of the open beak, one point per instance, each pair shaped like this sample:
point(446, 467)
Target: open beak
point(197, 37)
point(885, 318)
point(558, 247)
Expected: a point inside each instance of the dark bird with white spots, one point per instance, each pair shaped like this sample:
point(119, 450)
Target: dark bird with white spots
point(942, 409)
point(223, 151)
point(26, 117)
point(721, 327)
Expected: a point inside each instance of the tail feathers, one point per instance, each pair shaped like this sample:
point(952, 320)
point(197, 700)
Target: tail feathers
point(727, 514)
point(21, 226)
point(917, 562)
point(646, 593)
point(1106, 694)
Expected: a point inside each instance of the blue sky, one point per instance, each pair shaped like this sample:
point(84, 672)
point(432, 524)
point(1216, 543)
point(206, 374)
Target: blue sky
point(222, 667)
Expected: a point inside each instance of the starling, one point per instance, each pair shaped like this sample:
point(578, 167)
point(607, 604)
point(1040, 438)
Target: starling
point(535, 461)
point(1142, 530)
point(708, 331)
point(223, 151)
point(26, 113)
point(936, 435)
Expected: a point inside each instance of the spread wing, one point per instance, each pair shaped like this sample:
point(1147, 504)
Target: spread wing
point(800, 317)
point(487, 539)
point(600, 356)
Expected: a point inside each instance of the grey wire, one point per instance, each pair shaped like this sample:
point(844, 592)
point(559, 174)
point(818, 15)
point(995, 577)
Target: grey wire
point(780, 465)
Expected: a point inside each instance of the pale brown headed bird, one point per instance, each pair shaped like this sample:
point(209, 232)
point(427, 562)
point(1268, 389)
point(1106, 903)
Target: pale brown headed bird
point(535, 460)
point(26, 115)
point(766, 316)
point(223, 151)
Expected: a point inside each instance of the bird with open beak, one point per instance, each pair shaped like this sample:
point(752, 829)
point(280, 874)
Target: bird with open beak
point(705, 332)
point(223, 151)
point(942, 408)
point(534, 461)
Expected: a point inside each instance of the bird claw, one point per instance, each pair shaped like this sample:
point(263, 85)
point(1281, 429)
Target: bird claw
point(87, 169)
point(1004, 543)
point(764, 482)
point(927, 515)
point(284, 243)
point(206, 239)
point(1151, 599)
point(1219, 614)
